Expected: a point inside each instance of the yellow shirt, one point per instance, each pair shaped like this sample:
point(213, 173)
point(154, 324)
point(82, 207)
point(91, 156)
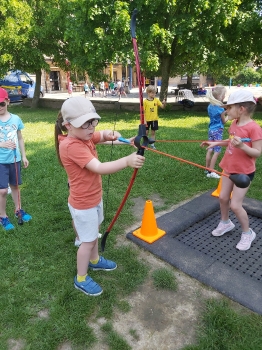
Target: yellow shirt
point(151, 109)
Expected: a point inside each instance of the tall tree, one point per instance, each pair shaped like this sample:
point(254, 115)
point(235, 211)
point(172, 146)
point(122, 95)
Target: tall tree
point(175, 37)
point(44, 37)
point(194, 35)
point(15, 18)
point(97, 33)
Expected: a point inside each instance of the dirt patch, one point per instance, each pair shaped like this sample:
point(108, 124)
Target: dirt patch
point(16, 344)
point(163, 319)
point(158, 319)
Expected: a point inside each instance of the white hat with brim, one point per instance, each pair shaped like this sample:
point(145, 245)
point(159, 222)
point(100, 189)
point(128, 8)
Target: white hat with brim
point(77, 111)
point(240, 96)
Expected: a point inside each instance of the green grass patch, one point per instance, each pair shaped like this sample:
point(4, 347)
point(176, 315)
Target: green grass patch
point(164, 279)
point(134, 334)
point(222, 328)
point(38, 259)
point(113, 339)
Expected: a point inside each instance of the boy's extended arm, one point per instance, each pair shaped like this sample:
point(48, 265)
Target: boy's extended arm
point(133, 160)
point(109, 135)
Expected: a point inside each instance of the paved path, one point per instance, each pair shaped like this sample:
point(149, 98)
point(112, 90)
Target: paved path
point(134, 95)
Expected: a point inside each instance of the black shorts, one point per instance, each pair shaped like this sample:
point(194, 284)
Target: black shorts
point(153, 125)
point(251, 175)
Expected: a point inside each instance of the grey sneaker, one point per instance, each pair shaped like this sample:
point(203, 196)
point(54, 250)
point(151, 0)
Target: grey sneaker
point(246, 240)
point(223, 228)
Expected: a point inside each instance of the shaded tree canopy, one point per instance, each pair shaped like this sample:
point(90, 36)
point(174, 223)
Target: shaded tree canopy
point(174, 37)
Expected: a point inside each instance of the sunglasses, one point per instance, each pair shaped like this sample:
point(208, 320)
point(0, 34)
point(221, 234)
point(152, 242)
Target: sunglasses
point(2, 104)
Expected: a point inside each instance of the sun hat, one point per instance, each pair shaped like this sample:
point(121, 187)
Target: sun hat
point(3, 95)
point(77, 111)
point(240, 96)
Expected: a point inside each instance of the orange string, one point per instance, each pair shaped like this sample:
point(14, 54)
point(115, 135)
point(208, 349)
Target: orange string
point(184, 161)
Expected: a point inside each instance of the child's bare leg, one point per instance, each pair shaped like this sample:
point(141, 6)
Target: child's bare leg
point(224, 197)
point(214, 160)
point(14, 194)
point(3, 195)
point(86, 252)
point(208, 157)
point(153, 134)
point(237, 207)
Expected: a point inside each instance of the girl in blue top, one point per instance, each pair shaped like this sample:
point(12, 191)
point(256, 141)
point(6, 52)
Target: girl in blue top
point(217, 115)
point(12, 151)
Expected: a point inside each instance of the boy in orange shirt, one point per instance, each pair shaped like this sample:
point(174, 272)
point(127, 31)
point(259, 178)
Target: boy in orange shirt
point(79, 157)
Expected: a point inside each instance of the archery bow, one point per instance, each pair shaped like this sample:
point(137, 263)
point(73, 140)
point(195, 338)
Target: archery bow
point(141, 140)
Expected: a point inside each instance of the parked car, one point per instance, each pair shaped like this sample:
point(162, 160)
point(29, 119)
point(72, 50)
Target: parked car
point(31, 91)
point(19, 85)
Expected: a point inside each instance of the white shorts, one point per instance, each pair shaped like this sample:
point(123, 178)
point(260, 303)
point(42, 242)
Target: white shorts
point(87, 221)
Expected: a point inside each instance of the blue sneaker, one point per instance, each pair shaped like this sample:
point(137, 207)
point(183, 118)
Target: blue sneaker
point(6, 223)
point(89, 287)
point(25, 216)
point(103, 264)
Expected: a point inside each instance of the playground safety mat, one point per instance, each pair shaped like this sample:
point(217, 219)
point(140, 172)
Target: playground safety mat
point(189, 246)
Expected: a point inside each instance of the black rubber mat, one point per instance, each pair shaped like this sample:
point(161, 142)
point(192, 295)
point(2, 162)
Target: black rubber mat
point(215, 261)
point(222, 248)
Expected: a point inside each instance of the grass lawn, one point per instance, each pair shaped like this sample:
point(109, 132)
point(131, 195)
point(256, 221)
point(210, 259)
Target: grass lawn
point(38, 302)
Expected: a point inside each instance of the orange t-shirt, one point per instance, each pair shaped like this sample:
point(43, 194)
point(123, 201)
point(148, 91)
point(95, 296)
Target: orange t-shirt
point(85, 186)
point(236, 161)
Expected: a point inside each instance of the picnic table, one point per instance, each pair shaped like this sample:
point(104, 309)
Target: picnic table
point(185, 94)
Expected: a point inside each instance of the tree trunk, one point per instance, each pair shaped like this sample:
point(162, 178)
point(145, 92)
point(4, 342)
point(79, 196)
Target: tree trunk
point(165, 77)
point(189, 82)
point(36, 97)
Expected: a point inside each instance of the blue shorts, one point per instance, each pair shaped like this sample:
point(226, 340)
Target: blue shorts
point(8, 175)
point(215, 135)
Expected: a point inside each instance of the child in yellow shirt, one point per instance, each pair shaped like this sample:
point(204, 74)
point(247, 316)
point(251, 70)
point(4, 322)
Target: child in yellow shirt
point(151, 104)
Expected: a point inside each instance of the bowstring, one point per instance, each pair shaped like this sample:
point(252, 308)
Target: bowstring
point(109, 177)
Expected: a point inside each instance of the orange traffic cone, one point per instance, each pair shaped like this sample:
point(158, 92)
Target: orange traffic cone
point(217, 191)
point(148, 231)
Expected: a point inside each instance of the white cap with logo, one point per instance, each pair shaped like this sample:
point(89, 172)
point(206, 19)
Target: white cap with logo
point(77, 111)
